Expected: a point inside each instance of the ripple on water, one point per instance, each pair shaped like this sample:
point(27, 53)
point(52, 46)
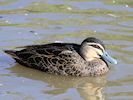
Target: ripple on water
point(38, 22)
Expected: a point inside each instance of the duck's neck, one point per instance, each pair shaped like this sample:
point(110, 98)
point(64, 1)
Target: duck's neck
point(88, 54)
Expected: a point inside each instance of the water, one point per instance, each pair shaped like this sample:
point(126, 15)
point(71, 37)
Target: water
point(26, 22)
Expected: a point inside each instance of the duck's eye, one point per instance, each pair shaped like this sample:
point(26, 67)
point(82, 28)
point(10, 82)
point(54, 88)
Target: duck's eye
point(96, 46)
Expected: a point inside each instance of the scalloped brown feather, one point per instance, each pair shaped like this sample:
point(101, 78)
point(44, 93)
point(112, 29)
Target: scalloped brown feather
point(58, 58)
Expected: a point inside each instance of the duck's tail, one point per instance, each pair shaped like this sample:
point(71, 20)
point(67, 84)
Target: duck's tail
point(11, 52)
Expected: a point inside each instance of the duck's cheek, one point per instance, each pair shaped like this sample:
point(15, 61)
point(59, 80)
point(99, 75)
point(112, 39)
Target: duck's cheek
point(99, 52)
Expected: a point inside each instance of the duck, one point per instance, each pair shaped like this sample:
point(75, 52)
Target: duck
point(86, 59)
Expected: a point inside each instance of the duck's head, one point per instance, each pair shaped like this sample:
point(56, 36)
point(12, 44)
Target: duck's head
point(92, 48)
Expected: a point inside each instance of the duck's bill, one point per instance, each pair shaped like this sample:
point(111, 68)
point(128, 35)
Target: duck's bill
point(108, 58)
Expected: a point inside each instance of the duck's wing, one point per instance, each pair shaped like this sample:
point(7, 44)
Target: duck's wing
point(43, 55)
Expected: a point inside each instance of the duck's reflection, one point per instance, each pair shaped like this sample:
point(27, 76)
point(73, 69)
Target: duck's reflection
point(87, 88)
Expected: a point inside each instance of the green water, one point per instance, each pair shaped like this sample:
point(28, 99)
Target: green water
point(26, 22)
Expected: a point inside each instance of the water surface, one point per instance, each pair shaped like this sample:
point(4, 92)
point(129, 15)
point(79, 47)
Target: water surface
point(43, 21)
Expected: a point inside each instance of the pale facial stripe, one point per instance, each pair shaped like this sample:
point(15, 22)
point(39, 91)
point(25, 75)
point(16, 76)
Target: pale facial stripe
point(97, 44)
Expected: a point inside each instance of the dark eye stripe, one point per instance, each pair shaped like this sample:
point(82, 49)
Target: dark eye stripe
point(96, 46)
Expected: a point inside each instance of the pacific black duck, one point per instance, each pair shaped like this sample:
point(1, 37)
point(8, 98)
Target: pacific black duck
point(87, 59)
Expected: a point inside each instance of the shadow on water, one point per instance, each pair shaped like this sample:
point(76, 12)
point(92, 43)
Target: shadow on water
point(87, 88)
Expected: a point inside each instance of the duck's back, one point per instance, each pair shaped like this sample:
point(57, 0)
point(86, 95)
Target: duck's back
point(57, 58)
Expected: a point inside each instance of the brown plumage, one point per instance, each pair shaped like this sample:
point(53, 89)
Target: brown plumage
point(64, 58)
